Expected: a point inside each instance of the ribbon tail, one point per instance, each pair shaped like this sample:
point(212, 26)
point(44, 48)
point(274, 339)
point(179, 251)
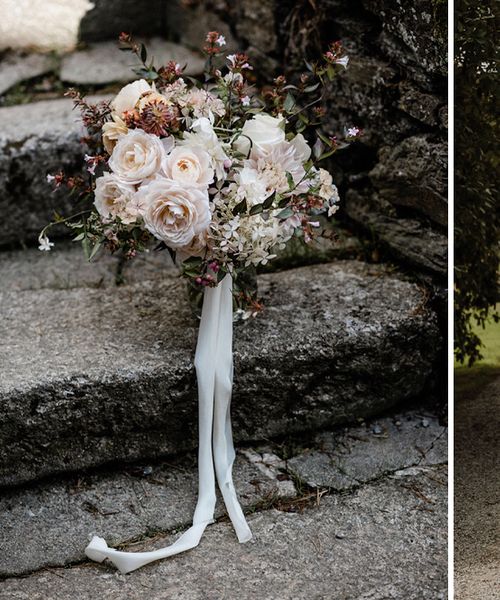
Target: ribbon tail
point(205, 361)
point(223, 447)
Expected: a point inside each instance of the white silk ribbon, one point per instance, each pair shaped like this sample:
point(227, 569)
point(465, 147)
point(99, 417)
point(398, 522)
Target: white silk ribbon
point(214, 370)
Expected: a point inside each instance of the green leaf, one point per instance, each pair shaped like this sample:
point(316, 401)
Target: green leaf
point(289, 103)
point(79, 237)
point(144, 53)
point(240, 207)
point(268, 202)
point(193, 261)
point(285, 213)
point(257, 209)
point(95, 249)
point(291, 182)
point(311, 88)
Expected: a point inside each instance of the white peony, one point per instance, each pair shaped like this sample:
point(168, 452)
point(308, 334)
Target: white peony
point(138, 156)
point(128, 96)
point(251, 186)
point(115, 198)
point(189, 166)
point(175, 213)
point(274, 164)
point(264, 132)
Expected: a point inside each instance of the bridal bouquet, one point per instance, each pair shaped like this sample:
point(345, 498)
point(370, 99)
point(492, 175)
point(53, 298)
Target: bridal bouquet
point(221, 177)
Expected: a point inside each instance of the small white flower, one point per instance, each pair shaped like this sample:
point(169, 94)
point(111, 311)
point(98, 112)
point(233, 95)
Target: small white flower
point(45, 243)
point(221, 40)
point(245, 101)
point(50, 178)
point(343, 61)
point(352, 132)
point(232, 59)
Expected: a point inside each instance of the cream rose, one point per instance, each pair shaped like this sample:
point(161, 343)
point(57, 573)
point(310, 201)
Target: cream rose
point(202, 135)
point(175, 213)
point(189, 166)
point(264, 132)
point(137, 156)
point(128, 96)
point(112, 131)
point(113, 198)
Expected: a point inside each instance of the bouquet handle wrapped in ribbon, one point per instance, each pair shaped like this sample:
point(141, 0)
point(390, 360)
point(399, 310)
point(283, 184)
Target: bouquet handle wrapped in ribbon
point(214, 369)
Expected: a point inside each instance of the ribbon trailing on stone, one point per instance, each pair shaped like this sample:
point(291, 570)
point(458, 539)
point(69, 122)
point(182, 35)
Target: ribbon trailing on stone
point(214, 369)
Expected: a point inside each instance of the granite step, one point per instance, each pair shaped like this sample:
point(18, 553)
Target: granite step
point(92, 374)
point(138, 503)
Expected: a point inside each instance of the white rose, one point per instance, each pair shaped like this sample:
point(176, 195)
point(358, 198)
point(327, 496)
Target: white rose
point(263, 130)
point(128, 96)
point(112, 131)
point(190, 166)
point(175, 213)
point(113, 197)
point(302, 149)
point(137, 156)
point(202, 135)
point(197, 247)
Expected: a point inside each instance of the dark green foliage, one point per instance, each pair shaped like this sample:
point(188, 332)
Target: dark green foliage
point(477, 210)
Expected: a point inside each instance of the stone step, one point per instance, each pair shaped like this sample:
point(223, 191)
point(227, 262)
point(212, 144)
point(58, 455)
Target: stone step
point(96, 374)
point(138, 504)
point(36, 139)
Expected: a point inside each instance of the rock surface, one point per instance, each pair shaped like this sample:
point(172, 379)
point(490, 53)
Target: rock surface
point(91, 376)
point(410, 241)
point(36, 139)
point(385, 540)
point(345, 460)
point(103, 62)
point(15, 68)
point(108, 18)
point(477, 496)
point(60, 517)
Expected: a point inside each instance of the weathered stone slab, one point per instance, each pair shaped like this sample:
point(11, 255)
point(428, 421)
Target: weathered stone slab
point(91, 375)
point(103, 62)
point(346, 460)
point(65, 267)
point(36, 139)
point(415, 38)
point(386, 540)
point(59, 517)
point(409, 240)
point(414, 174)
point(108, 18)
point(15, 68)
